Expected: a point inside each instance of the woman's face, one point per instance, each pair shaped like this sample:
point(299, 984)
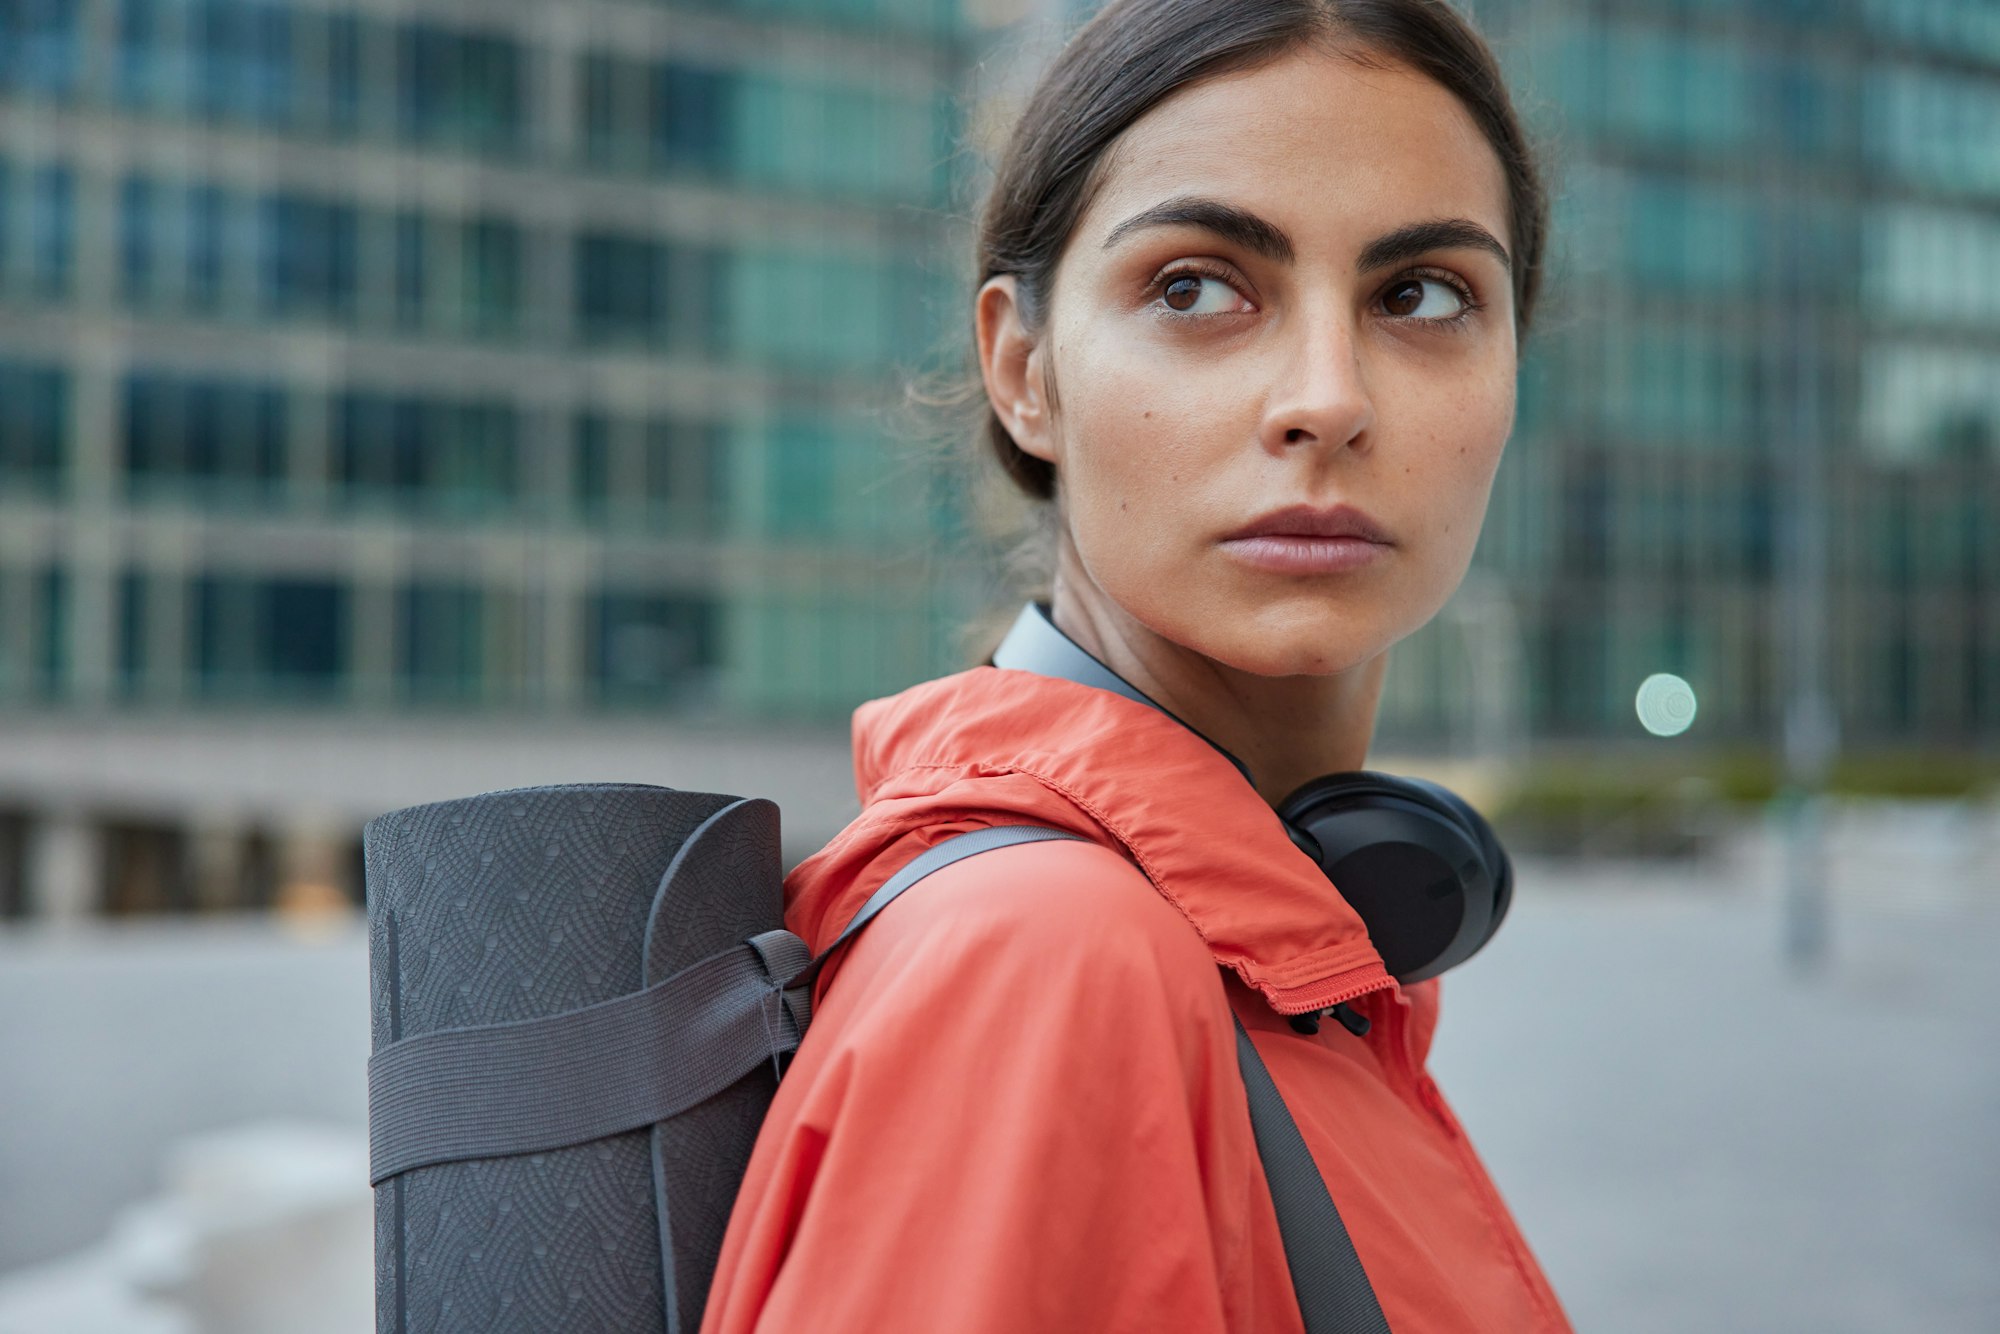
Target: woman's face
point(1291, 289)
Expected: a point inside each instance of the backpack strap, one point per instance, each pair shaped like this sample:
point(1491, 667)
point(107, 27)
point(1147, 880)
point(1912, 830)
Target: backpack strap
point(935, 858)
point(1332, 1288)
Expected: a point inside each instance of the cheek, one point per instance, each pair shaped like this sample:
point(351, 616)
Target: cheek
point(1141, 434)
point(1462, 434)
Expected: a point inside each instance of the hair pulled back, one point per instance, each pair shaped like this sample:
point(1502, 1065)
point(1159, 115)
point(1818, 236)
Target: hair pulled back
point(1135, 53)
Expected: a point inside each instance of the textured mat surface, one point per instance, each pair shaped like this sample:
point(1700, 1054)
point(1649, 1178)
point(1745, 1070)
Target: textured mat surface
point(513, 905)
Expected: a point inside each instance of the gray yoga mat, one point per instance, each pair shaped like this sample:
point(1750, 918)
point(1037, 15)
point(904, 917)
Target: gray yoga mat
point(518, 905)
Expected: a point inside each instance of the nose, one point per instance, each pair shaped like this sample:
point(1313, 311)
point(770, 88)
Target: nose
point(1321, 395)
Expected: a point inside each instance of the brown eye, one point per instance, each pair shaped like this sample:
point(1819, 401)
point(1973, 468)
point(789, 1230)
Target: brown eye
point(1183, 292)
point(1404, 298)
point(1428, 300)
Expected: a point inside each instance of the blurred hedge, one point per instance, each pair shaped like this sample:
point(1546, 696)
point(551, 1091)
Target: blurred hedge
point(1622, 803)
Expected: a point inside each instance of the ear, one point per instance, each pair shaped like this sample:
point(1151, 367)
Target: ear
point(1010, 362)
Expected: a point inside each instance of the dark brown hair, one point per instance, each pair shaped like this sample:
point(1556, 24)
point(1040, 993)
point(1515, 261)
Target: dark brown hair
point(1135, 53)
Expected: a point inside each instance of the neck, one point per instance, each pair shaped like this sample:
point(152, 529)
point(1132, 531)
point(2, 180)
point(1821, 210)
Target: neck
point(1286, 729)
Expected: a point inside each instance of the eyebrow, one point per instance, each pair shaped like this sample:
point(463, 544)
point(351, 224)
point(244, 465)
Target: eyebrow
point(1422, 237)
point(1226, 220)
point(1253, 233)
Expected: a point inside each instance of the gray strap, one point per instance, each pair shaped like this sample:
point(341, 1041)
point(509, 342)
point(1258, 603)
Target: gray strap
point(539, 1084)
point(955, 848)
point(1333, 1290)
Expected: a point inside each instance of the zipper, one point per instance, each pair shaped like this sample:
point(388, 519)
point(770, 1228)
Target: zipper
point(1391, 1021)
point(1498, 1216)
point(1388, 1033)
point(1433, 1102)
point(1388, 1021)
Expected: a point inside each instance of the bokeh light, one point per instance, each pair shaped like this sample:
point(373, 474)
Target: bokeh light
point(1666, 704)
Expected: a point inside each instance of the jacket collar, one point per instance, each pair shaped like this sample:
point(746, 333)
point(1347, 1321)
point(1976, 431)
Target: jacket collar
point(993, 746)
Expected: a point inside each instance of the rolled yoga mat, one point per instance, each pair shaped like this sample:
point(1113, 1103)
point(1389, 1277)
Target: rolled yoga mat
point(525, 904)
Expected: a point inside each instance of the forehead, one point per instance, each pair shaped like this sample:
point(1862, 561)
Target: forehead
point(1333, 151)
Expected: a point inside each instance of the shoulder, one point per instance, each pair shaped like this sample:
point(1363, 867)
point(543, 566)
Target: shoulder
point(1056, 921)
point(1054, 897)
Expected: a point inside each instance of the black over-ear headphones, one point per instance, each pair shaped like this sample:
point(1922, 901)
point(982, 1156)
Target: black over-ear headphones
point(1421, 868)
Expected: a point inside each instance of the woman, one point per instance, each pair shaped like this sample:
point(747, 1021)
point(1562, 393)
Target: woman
point(1254, 274)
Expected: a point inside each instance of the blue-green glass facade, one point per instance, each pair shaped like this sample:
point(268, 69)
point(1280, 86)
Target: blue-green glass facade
point(386, 356)
point(356, 355)
point(1777, 249)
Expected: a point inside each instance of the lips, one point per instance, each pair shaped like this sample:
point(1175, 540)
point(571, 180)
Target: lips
point(1309, 521)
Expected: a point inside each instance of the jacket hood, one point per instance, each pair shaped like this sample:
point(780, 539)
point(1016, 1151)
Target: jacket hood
point(995, 746)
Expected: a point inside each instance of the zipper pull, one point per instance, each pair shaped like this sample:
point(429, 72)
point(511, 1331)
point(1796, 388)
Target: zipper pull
point(1350, 1020)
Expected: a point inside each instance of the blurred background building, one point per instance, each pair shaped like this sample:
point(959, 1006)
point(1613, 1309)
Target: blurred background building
point(372, 369)
point(403, 396)
point(1775, 285)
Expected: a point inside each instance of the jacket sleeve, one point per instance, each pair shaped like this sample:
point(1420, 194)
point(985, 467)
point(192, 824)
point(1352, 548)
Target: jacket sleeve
point(1017, 1109)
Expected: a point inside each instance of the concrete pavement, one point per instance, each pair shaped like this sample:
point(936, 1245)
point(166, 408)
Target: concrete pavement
point(1691, 1138)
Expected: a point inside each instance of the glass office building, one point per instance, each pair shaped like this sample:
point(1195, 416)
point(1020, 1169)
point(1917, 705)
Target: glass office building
point(405, 398)
point(1775, 292)
point(409, 355)
point(386, 361)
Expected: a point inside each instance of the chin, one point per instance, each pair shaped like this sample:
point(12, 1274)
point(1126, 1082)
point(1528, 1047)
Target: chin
point(1325, 642)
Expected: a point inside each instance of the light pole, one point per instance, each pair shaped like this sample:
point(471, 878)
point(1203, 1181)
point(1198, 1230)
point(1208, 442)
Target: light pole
point(1800, 438)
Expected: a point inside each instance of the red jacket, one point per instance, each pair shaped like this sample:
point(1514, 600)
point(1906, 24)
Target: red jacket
point(1018, 1105)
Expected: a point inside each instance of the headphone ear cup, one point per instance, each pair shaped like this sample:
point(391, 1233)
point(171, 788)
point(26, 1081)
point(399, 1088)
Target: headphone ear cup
point(1425, 873)
point(1500, 867)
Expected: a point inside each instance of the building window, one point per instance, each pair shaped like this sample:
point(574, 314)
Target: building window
point(34, 427)
point(810, 311)
point(592, 463)
point(269, 68)
point(138, 227)
point(54, 230)
point(243, 61)
point(141, 58)
point(490, 253)
point(285, 637)
point(621, 289)
point(225, 438)
point(39, 47)
point(1586, 516)
point(461, 89)
point(412, 248)
point(645, 647)
point(685, 483)
point(309, 251)
point(691, 116)
point(607, 137)
point(207, 210)
point(801, 472)
point(663, 474)
point(49, 619)
point(131, 631)
point(343, 73)
point(435, 454)
point(440, 641)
